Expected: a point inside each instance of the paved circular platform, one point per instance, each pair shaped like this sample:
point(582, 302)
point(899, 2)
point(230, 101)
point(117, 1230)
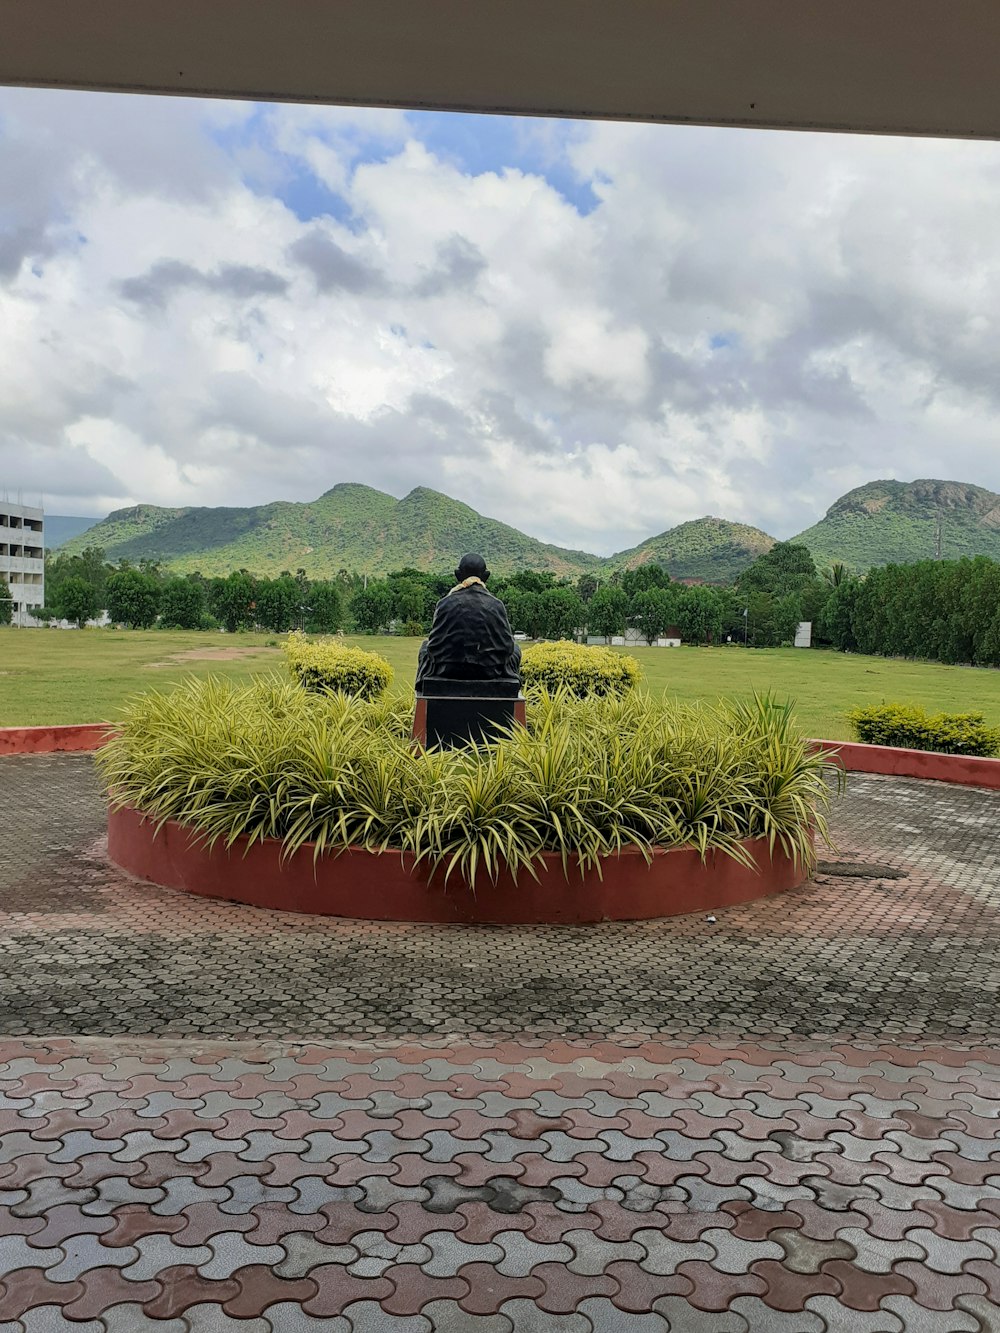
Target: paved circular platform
point(93, 952)
point(785, 1121)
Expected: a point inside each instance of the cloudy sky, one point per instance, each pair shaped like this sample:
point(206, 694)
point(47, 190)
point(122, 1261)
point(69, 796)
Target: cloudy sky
point(592, 331)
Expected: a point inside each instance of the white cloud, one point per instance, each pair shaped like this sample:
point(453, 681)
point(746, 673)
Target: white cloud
point(218, 303)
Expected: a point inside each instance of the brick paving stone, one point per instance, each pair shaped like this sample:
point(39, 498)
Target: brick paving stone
point(260, 1287)
point(490, 1289)
point(561, 1291)
point(129, 1317)
point(990, 1274)
point(938, 1291)
point(48, 1319)
point(987, 1312)
point(875, 1255)
point(638, 1290)
point(660, 1128)
point(336, 1289)
point(607, 1318)
point(757, 1315)
point(414, 1288)
point(784, 1289)
point(918, 1319)
point(182, 1287)
point(848, 937)
point(104, 1287)
point(861, 1289)
point(27, 1288)
point(526, 1317)
point(369, 1317)
point(836, 1318)
point(758, 1223)
point(680, 1314)
point(712, 1290)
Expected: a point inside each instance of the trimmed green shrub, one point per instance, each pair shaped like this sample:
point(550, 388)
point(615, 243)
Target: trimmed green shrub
point(912, 728)
point(330, 667)
point(584, 779)
point(580, 669)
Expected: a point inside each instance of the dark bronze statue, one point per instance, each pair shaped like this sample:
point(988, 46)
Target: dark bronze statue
point(470, 636)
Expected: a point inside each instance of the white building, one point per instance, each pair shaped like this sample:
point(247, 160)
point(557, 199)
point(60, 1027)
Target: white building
point(22, 559)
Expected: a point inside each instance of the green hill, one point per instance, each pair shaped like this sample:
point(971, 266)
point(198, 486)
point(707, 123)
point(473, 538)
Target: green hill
point(899, 521)
point(349, 527)
point(358, 528)
point(711, 549)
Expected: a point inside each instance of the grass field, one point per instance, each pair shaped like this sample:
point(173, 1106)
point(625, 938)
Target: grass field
point(60, 676)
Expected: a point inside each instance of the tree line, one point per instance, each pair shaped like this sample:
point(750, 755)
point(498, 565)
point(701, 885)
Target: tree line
point(79, 587)
point(946, 610)
point(942, 610)
point(775, 592)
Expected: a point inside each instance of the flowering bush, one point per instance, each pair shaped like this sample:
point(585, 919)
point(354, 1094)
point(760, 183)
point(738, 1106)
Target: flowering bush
point(324, 665)
point(581, 670)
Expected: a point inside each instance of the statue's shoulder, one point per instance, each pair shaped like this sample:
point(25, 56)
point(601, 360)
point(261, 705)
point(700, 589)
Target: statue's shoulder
point(473, 590)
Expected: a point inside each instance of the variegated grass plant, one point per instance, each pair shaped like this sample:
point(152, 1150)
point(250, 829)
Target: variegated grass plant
point(586, 778)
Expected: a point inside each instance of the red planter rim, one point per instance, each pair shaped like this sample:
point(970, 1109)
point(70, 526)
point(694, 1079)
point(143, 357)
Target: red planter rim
point(389, 886)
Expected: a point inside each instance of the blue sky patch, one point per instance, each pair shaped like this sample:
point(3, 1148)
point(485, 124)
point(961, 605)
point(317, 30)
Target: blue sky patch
point(490, 143)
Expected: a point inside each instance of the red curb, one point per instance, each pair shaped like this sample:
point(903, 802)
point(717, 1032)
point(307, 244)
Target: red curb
point(968, 770)
point(367, 886)
point(49, 740)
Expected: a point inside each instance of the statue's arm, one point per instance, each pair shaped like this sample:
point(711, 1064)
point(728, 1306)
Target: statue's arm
point(430, 650)
point(514, 650)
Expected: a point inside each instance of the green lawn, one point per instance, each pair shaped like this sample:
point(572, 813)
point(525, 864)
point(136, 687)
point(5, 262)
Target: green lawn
point(58, 676)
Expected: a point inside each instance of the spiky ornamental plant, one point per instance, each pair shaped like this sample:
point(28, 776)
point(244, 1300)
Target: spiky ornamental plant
point(585, 779)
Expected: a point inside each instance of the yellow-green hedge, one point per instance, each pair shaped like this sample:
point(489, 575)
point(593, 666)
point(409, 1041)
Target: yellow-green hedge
point(579, 669)
point(327, 666)
point(913, 728)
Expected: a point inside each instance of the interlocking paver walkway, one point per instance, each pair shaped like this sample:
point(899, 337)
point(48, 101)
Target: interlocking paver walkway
point(218, 1118)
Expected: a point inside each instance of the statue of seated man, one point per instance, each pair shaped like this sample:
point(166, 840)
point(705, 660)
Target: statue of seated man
point(470, 636)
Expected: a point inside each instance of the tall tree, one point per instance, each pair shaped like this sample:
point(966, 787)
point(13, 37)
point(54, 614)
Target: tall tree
point(785, 568)
point(700, 614)
point(836, 624)
point(652, 612)
point(371, 608)
point(586, 587)
point(182, 603)
point(234, 601)
point(562, 613)
point(835, 573)
point(133, 598)
point(90, 565)
point(325, 610)
point(607, 613)
point(278, 603)
point(643, 579)
point(77, 601)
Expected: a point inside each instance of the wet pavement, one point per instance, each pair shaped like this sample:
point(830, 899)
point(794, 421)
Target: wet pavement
point(216, 1117)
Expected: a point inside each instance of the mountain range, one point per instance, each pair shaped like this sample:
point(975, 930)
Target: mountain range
point(359, 528)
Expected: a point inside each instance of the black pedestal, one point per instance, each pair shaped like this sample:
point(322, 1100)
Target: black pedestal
point(460, 712)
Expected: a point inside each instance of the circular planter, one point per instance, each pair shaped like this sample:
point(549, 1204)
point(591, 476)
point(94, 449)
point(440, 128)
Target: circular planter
point(388, 887)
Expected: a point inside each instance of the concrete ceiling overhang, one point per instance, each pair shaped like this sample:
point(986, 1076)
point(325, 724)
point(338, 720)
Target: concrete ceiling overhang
point(878, 66)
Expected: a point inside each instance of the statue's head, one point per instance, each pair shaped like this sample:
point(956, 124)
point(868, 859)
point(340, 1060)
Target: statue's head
point(471, 567)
